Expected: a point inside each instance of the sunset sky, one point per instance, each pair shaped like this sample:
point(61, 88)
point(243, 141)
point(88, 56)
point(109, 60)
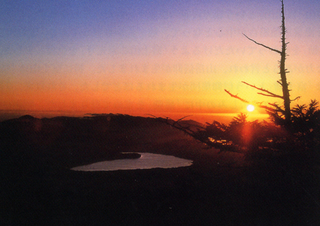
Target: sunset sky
point(152, 57)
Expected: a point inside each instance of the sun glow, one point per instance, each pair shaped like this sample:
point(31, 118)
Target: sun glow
point(250, 108)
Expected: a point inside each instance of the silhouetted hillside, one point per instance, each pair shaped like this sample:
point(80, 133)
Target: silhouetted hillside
point(73, 141)
point(218, 189)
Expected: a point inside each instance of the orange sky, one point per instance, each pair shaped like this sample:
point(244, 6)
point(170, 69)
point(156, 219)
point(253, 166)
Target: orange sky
point(179, 63)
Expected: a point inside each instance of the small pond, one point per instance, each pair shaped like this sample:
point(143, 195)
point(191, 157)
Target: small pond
point(146, 161)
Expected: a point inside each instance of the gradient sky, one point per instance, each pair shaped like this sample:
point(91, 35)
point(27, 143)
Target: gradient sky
point(124, 56)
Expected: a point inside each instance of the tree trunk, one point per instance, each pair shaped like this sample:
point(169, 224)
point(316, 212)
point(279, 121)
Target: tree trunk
point(283, 71)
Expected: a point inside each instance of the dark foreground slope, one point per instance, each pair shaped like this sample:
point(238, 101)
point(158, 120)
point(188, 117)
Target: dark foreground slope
point(37, 187)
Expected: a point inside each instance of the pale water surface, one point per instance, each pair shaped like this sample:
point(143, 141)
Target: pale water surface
point(146, 161)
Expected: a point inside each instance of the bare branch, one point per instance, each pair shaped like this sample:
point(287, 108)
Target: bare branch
point(297, 98)
point(259, 104)
point(180, 119)
point(236, 96)
point(183, 118)
point(269, 94)
point(260, 44)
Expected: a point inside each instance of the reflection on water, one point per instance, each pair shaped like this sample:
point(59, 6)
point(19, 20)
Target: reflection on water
point(146, 161)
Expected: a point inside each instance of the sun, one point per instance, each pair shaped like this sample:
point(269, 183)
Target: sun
point(250, 108)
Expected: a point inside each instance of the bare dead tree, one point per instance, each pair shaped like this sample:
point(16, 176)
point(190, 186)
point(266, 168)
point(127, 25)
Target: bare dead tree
point(283, 76)
point(283, 70)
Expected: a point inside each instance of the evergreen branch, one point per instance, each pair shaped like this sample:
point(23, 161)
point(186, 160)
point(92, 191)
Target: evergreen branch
point(195, 135)
point(260, 44)
point(277, 108)
point(266, 107)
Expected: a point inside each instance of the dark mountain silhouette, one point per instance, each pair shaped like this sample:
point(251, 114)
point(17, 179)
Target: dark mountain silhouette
point(38, 187)
point(75, 141)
